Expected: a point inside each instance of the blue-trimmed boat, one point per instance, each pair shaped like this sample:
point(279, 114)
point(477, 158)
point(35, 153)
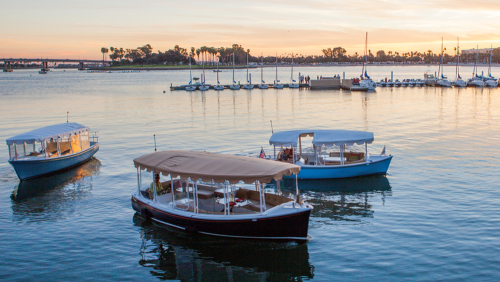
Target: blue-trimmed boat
point(345, 160)
point(50, 149)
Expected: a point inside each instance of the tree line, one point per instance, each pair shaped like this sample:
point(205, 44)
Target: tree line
point(224, 55)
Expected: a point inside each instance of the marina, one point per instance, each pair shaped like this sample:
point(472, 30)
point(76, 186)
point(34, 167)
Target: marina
point(420, 220)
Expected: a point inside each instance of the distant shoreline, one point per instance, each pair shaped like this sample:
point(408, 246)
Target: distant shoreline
point(198, 67)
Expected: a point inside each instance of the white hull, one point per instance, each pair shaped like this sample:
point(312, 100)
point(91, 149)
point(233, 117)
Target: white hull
point(248, 86)
point(278, 86)
point(293, 86)
point(263, 86)
point(218, 87)
point(234, 87)
point(460, 83)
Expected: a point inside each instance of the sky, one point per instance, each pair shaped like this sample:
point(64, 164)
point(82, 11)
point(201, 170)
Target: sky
point(78, 29)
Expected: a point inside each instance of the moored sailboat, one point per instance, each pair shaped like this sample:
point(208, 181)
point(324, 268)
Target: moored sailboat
point(262, 84)
point(459, 82)
point(293, 83)
point(249, 84)
point(277, 83)
point(234, 86)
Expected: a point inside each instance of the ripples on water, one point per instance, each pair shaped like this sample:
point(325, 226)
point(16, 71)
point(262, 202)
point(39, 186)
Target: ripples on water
point(434, 217)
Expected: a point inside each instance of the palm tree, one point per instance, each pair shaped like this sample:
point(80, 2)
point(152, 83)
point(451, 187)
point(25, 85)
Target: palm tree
point(103, 51)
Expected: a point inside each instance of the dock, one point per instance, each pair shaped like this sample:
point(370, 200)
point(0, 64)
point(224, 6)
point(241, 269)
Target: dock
point(255, 86)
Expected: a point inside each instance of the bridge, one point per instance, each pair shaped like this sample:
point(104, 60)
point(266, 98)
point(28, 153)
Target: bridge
point(8, 62)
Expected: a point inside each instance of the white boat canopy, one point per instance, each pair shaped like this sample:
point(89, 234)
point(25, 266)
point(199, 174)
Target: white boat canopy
point(322, 137)
point(45, 133)
point(217, 167)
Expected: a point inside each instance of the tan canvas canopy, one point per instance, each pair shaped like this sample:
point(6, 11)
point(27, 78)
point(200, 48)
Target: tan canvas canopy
point(219, 167)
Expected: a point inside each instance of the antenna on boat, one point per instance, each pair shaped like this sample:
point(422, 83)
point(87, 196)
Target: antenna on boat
point(272, 130)
point(67, 116)
point(154, 135)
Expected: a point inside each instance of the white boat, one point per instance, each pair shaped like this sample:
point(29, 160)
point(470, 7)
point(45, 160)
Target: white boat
point(459, 82)
point(345, 160)
point(476, 80)
point(429, 78)
point(262, 85)
point(50, 149)
point(204, 86)
point(419, 82)
point(218, 86)
point(249, 85)
point(366, 81)
point(397, 83)
point(404, 83)
point(277, 83)
point(490, 81)
point(443, 81)
point(389, 83)
point(234, 86)
point(190, 86)
point(293, 83)
point(381, 83)
point(206, 197)
point(412, 82)
point(43, 71)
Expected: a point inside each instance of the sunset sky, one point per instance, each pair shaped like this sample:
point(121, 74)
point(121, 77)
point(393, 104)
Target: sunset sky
point(78, 29)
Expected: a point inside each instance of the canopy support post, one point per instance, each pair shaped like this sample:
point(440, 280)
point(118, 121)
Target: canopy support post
point(274, 152)
point(154, 187)
point(15, 150)
point(300, 144)
point(172, 189)
point(262, 197)
point(226, 198)
point(297, 190)
point(366, 152)
point(24, 146)
point(138, 182)
point(10, 154)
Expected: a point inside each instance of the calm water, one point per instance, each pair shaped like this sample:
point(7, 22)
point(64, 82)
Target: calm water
point(435, 216)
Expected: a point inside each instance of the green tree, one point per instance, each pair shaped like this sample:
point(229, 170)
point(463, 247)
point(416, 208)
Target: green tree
point(104, 50)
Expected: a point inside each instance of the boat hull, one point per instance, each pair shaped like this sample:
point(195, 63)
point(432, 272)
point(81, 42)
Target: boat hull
point(292, 226)
point(376, 165)
point(27, 169)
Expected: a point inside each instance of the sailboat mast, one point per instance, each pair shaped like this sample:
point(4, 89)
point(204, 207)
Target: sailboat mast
point(233, 69)
point(458, 59)
point(366, 54)
point(247, 67)
point(277, 67)
point(489, 64)
point(217, 72)
point(440, 58)
point(262, 69)
point(291, 76)
point(190, 76)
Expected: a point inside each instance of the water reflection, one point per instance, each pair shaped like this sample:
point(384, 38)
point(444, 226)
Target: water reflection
point(344, 199)
point(45, 197)
point(171, 254)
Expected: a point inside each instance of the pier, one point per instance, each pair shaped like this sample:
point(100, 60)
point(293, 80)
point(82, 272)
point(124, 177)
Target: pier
point(81, 63)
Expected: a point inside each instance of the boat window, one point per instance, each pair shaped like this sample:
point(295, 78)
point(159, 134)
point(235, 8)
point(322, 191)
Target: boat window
point(30, 149)
point(64, 146)
point(12, 151)
point(75, 143)
point(84, 140)
point(51, 148)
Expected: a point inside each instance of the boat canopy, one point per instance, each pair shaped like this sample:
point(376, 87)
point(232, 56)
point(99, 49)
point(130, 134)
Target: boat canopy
point(212, 166)
point(62, 130)
point(322, 137)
